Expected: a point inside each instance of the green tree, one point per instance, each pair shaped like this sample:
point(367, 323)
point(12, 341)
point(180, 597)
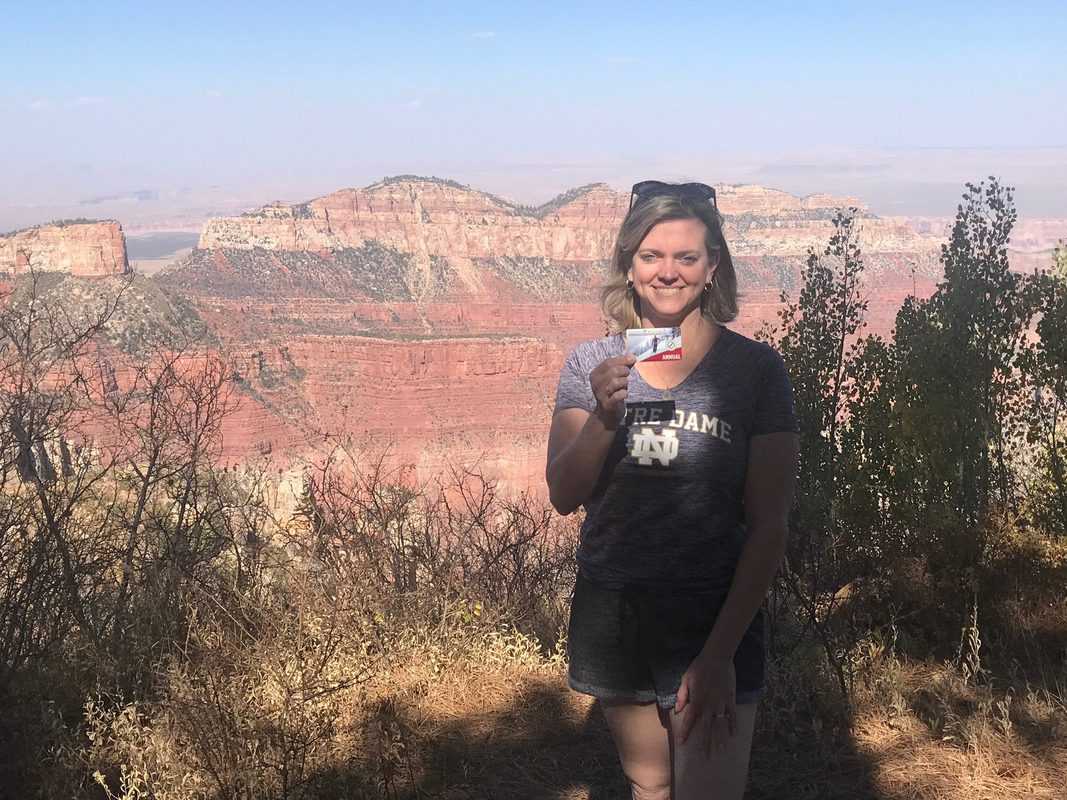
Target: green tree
point(959, 389)
point(870, 452)
point(1045, 365)
point(818, 344)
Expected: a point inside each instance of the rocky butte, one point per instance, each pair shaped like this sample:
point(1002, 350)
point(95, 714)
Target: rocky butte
point(83, 248)
point(426, 319)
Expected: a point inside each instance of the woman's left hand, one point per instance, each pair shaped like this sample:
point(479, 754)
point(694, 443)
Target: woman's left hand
point(707, 702)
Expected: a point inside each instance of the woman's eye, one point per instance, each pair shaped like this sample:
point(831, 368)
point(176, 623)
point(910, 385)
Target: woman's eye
point(648, 258)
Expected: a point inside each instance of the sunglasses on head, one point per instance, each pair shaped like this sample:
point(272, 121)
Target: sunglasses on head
point(645, 190)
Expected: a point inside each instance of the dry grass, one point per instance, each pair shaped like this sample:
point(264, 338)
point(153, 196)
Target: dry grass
point(489, 732)
point(928, 733)
point(477, 731)
point(909, 762)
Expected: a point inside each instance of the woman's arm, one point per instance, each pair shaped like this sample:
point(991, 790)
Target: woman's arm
point(579, 441)
point(577, 446)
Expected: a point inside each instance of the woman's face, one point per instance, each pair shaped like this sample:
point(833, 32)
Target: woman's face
point(669, 271)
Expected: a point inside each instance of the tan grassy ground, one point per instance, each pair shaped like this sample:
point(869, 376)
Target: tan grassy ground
point(521, 733)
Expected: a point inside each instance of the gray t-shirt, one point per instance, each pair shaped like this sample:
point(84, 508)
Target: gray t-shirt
point(668, 509)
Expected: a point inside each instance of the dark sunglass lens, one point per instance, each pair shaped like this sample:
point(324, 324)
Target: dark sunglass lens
point(649, 188)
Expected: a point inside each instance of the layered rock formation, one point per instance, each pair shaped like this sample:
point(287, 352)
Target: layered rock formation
point(85, 249)
point(431, 404)
point(430, 218)
point(428, 320)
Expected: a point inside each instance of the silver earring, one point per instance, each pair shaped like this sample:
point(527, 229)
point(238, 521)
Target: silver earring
point(629, 286)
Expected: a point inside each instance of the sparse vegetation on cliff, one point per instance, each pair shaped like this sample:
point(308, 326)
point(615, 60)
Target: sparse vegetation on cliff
point(59, 223)
point(442, 276)
point(395, 179)
point(372, 271)
point(556, 203)
point(63, 223)
point(539, 212)
point(543, 279)
point(742, 223)
point(144, 314)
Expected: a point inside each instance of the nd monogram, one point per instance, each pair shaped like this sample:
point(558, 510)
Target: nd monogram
point(649, 445)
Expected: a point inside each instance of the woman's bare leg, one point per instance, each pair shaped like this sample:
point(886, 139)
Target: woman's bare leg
point(724, 774)
point(644, 749)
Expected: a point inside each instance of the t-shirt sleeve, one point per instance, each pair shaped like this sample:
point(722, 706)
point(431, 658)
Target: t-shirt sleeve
point(574, 390)
point(775, 411)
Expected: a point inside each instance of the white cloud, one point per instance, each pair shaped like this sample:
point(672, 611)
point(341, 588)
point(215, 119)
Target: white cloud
point(40, 104)
point(483, 35)
point(214, 93)
point(414, 104)
point(87, 100)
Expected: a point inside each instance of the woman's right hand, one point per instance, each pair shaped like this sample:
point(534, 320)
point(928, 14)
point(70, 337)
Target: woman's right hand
point(608, 381)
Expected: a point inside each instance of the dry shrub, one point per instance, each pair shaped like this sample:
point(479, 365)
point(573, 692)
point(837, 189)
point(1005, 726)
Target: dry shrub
point(1024, 564)
point(250, 704)
point(145, 756)
point(445, 549)
point(297, 653)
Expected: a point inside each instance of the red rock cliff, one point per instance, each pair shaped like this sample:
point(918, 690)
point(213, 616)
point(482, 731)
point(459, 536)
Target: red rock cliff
point(431, 217)
point(84, 249)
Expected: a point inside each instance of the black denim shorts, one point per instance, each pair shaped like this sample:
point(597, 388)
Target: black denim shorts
point(635, 643)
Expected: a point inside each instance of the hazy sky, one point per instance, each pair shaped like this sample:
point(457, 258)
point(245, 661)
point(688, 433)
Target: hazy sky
point(231, 102)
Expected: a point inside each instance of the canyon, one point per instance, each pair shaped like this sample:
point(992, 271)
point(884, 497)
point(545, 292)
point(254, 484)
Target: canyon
point(428, 320)
point(424, 322)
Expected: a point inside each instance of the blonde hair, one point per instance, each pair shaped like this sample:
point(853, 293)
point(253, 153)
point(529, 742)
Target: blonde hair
point(622, 306)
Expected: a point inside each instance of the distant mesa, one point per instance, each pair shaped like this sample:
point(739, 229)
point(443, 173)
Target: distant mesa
point(79, 247)
point(429, 218)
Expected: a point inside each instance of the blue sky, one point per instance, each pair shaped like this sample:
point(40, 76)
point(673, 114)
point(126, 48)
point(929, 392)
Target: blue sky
point(899, 103)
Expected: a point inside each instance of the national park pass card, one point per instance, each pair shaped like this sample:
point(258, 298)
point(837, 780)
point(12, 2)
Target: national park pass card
point(655, 344)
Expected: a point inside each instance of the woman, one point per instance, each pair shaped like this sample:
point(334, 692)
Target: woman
point(686, 472)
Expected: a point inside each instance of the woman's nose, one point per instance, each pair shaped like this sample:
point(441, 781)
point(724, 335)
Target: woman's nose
point(668, 270)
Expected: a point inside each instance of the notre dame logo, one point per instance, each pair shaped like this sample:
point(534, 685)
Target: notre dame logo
point(653, 446)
